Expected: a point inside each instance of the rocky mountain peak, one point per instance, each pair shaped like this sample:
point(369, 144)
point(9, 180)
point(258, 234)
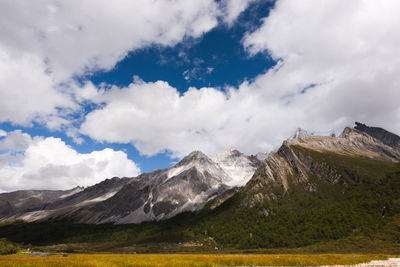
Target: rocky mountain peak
point(238, 166)
point(193, 156)
point(196, 154)
point(349, 131)
point(384, 136)
point(292, 165)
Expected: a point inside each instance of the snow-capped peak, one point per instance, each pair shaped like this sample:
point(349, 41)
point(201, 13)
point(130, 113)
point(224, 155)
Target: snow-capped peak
point(239, 167)
point(202, 163)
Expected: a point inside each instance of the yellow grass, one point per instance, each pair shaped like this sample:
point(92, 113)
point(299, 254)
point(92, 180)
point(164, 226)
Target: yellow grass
point(164, 260)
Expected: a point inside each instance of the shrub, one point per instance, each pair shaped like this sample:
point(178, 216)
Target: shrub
point(7, 247)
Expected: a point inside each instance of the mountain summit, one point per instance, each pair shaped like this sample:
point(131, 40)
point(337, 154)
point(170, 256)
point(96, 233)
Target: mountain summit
point(161, 194)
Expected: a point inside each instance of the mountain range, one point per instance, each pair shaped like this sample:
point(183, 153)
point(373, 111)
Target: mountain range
point(161, 194)
point(312, 190)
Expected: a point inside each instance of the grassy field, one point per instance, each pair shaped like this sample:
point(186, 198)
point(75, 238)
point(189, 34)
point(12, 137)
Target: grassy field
point(184, 260)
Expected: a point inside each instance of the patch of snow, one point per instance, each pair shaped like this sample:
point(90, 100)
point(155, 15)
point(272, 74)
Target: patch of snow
point(238, 166)
point(201, 165)
point(174, 171)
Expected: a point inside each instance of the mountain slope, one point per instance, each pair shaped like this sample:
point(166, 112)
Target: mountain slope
point(312, 189)
point(25, 200)
point(161, 194)
point(290, 165)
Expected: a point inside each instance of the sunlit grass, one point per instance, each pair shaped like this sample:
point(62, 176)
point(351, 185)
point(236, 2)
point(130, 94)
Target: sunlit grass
point(167, 260)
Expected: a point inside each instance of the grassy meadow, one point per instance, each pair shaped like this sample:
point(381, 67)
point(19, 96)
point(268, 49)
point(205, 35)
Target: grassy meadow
point(164, 260)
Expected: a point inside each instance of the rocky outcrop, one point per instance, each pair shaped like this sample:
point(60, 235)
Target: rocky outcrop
point(380, 134)
point(291, 166)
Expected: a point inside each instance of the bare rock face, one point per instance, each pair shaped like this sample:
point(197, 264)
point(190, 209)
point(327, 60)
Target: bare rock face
point(161, 194)
point(291, 166)
point(380, 134)
point(26, 200)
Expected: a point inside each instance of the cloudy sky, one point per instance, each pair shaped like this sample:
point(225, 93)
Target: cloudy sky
point(95, 89)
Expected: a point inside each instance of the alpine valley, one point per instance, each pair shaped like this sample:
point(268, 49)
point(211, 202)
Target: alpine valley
point(315, 193)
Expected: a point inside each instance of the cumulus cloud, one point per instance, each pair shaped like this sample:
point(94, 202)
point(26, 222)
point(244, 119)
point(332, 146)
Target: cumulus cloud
point(337, 62)
point(43, 45)
point(154, 117)
point(77, 36)
point(49, 163)
point(26, 90)
point(15, 141)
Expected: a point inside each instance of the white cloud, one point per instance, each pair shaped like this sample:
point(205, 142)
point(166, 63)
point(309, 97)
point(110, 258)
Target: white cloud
point(44, 44)
point(48, 163)
point(2, 133)
point(26, 90)
point(349, 50)
point(233, 8)
point(338, 62)
point(155, 117)
point(77, 36)
point(15, 141)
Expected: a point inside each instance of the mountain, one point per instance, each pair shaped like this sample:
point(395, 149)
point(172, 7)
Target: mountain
point(322, 193)
point(25, 200)
point(161, 194)
point(316, 189)
point(384, 136)
point(293, 162)
point(32, 205)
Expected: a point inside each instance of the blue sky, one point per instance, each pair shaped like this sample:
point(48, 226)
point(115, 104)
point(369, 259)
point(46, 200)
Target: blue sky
point(97, 90)
point(220, 49)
